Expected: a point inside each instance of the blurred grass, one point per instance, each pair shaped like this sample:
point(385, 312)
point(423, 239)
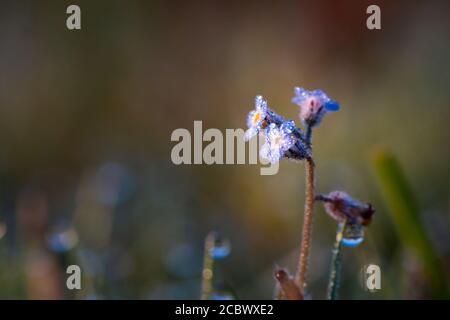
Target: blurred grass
point(405, 213)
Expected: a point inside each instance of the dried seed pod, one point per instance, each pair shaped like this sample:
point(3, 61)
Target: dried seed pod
point(341, 207)
point(288, 286)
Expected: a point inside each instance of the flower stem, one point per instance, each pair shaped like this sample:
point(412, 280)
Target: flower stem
point(335, 273)
point(208, 267)
point(308, 135)
point(300, 277)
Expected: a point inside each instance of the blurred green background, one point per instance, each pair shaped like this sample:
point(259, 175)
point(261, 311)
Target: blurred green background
point(85, 122)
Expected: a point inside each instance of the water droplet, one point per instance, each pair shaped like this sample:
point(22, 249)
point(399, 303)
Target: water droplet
point(349, 242)
point(221, 248)
point(353, 235)
point(220, 252)
point(288, 126)
point(62, 241)
point(221, 296)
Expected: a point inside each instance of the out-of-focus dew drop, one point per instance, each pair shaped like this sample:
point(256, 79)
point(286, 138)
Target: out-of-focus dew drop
point(2, 229)
point(221, 296)
point(353, 236)
point(221, 248)
point(62, 240)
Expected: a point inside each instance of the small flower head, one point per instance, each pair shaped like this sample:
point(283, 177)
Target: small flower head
point(341, 207)
point(256, 119)
point(279, 139)
point(313, 105)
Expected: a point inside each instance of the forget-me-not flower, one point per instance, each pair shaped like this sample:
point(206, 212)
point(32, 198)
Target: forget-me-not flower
point(313, 105)
point(279, 139)
point(256, 119)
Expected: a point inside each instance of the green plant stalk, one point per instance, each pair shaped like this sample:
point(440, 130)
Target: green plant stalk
point(208, 267)
point(302, 270)
point(405, 213)
point(335, 273)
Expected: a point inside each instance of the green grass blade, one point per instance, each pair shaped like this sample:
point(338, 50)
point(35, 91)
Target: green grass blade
point(405, 213)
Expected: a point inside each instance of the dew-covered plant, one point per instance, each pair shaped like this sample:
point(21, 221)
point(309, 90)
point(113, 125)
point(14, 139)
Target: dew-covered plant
point(283, 139)
point(352, 216)
point(216, 249)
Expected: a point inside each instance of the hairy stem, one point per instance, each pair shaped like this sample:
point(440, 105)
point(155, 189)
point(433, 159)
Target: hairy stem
point(302, 270)
point(335, 273)
point(208, 267)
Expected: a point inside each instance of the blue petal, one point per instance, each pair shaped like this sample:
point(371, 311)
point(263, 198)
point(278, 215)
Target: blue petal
point(332, 106)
